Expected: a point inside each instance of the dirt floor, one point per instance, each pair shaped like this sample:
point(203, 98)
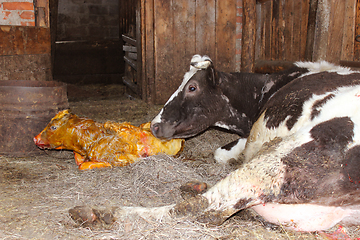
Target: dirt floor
point(37, 192)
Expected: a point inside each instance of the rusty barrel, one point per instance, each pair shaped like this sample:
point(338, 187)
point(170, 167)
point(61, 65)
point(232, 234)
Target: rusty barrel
point(26, 107)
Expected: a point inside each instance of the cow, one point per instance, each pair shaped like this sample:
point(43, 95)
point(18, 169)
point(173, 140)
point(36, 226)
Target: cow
point(302, 168)
point(208, 98)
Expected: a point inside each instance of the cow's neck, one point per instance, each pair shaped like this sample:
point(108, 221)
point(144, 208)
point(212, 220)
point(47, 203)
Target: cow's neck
point(247, 93)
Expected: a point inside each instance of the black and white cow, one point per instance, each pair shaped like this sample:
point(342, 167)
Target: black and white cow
point(302, 154)
point(302, 166)
point(208, 97)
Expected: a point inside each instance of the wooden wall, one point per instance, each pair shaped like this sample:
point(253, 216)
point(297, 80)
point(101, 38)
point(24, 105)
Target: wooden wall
point(172, 31)
point(307, 30)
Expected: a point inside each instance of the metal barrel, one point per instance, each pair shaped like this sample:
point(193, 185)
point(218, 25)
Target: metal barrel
point(26, 107)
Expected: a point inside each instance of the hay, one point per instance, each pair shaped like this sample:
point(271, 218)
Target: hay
point(37, 192)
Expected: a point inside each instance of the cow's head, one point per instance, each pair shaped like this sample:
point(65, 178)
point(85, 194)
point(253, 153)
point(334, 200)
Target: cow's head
point(194, 105)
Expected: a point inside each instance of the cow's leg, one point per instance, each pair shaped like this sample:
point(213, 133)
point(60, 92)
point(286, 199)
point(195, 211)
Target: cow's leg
point(254, 183)
point(230, 151)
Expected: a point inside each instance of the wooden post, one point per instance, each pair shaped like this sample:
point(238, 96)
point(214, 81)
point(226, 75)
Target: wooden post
point(248, 41)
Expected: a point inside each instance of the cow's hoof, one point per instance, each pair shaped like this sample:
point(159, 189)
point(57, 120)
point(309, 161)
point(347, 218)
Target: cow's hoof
point(212, 217)
point(192, 206)
point(191, 189)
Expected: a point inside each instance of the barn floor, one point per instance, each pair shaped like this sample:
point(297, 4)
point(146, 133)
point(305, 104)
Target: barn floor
point(38, 191)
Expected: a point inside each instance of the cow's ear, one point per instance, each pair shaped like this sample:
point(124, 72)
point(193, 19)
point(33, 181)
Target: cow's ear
point(213, 76)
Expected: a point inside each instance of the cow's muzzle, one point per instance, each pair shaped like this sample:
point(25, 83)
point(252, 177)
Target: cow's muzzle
point(162, 130)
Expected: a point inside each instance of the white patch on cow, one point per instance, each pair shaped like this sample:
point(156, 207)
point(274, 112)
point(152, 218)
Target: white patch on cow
point(225, 126)
point(188, 75)
point(263, 175)
point(260, 134)
point(225, 98)
point(322, 66)
point(338, 106)
point(223, 156)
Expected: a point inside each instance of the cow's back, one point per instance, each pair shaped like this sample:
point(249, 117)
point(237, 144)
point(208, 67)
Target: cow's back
point(304, 103)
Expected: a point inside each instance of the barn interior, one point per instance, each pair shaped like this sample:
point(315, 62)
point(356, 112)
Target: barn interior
point(121, 60)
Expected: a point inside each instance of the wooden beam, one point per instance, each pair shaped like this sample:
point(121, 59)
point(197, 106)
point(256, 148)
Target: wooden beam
point(348, 42)
point(310, 37)
point(130, 84)
point(225, 42)
point(129, 48)
point(130, 62)
point(129, 40)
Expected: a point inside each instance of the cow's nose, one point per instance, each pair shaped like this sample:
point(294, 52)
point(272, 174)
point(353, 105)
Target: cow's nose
point(155, 129)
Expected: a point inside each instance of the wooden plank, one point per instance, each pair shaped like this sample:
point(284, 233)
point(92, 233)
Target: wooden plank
point(226, 35)
point(148, 54)
point(138, 57)
point(248, 41)
point(130, 84)
point(303, 28)
point(335, 36)
point(282, 29)
point(164, 49)
point(357, 32)
point(184, 40)
point(129, 40)
point(205, 28)
point(321, 30)
point(266, 11)
point(289, 29)
point(132, 55)
point(127, 48)
point(348, 41)
point(258, 34)
point(275, 46)
point(260, 31)
point(132, 63)
point(310, 36)
point(296, 34)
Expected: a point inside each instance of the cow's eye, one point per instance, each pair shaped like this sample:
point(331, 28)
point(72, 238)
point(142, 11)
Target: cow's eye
point(192, 88)
point(53, 127)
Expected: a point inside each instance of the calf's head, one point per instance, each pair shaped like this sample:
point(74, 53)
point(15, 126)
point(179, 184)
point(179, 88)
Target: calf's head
point(55, 133)
point(194, 105)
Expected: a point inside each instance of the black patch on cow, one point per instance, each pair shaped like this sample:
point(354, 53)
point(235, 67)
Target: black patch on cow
point(351, 168)
point(314, 169)
point(289, 100)
point(336, 130)
point(318, 104)
point(241, 204)
point(229, 146)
